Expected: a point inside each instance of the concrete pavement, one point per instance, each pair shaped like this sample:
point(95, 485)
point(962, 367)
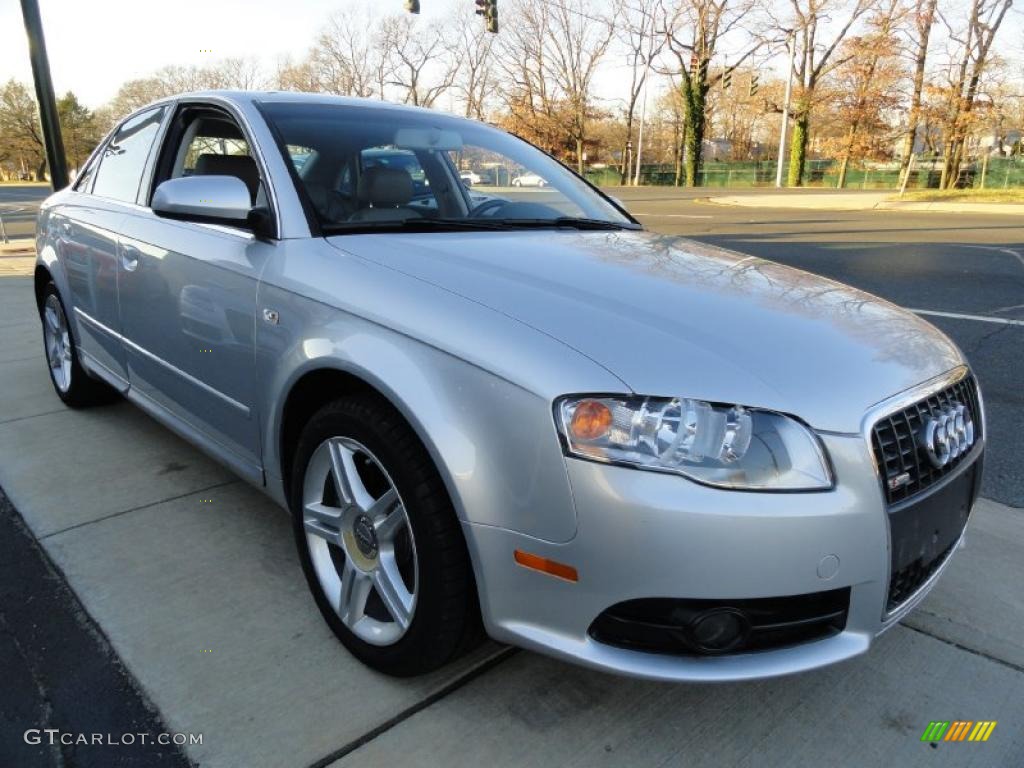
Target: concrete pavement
point(192, 577)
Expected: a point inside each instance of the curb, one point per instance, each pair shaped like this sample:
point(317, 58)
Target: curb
point(822, 203)
point(16, 248)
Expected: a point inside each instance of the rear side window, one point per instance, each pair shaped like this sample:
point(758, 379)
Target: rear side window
point(124, 157)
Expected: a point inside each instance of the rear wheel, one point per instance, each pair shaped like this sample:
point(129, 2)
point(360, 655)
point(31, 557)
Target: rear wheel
point(72, 384)
point(379, 542)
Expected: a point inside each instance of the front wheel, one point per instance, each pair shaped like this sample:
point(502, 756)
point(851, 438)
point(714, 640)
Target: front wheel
point(379, 541)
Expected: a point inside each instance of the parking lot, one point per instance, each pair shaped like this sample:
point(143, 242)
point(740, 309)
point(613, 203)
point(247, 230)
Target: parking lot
point(191, 576)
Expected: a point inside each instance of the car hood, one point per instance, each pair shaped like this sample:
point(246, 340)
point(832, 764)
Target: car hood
point(670, 316)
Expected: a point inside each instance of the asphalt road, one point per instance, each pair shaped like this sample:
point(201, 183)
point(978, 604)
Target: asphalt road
point(959, 264)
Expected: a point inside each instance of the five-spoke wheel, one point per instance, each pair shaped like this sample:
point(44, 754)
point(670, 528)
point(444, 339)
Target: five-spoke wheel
point(360, 540)
point(58, 343)
point(378, 538)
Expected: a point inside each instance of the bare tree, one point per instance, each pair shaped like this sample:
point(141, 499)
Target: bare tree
point(974, 41)
point(346, 57)
point(922, 17)
point(867, 86)
point(576, 42)
point(636, 34)
point(694, 31)
point(816, 57)
point(549, 56)
point(476, 77)
point(422, 62)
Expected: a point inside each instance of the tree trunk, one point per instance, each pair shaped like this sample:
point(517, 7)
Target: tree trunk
point(845, 163)
point(798, 147)
point(626, 166)
point(920, 60)
point(579, 155)
point(694, 127)
point(678, 151)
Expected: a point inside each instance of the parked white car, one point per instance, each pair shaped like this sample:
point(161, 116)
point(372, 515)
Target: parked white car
point(529, 180)
point(472, 178)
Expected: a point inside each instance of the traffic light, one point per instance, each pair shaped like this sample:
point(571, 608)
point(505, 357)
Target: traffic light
point(412, 6)
point(727, 79)
point(489, 10)
point(753, 84)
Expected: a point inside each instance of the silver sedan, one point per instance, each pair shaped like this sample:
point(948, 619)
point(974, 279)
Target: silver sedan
point(518, 412)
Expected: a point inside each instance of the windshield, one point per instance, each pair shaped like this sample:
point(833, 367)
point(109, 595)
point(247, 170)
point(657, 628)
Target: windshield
point(383, 169)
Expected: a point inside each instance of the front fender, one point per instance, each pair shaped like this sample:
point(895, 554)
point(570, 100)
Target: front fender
point(491, 435)
point(493, 442)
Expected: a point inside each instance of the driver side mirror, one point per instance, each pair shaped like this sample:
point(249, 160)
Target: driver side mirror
point(204, 199)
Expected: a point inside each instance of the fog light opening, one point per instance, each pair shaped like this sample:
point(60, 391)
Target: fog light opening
point(719, 630)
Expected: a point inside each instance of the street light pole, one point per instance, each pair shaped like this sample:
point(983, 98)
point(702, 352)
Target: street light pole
point(791, 45)
point(643, 106)
point(44, 95)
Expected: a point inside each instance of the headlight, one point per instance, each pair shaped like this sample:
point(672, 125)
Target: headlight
point(722, 445)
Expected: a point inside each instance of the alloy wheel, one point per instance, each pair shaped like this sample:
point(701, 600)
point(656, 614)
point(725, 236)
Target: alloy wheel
point(360, 541)
point(58, 343)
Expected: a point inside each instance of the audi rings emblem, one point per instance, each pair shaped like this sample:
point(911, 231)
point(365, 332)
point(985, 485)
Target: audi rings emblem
point(947, 434)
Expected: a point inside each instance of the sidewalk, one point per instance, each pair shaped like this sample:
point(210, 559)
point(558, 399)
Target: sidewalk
point(860, 201)
point(192, 577)
point(17, 258)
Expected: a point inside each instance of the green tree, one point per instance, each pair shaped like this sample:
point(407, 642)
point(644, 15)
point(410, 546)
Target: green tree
point(21, 139)
point(79, 128)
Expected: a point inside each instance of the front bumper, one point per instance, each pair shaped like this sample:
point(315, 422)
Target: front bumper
point(643, 534)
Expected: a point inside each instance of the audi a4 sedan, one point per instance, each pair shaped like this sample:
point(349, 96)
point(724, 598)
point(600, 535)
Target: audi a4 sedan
point(516, 414)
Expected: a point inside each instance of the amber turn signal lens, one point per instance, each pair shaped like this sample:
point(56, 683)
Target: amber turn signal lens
point(591, 420)
point(542, 564)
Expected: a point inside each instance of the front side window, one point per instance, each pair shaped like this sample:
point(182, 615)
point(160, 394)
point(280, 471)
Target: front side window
point(124, 157)
point(211, 144)
point(379, 168)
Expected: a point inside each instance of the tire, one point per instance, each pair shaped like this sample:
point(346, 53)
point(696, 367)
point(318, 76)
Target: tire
point(70, 381)
point(364, 438)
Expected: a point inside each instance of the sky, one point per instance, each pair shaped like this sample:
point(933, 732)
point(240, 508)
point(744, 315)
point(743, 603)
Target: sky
point(96, 45)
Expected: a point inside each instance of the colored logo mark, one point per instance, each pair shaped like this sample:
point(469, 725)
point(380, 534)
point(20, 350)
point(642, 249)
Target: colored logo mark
point(958, 730)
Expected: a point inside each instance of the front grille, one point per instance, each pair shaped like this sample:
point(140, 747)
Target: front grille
point(663, 625)
point(906, 581)
point(894, 440)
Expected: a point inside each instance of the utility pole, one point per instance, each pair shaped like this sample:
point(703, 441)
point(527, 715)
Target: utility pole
point(643, 104)
point(55, 158)
point(791, 45)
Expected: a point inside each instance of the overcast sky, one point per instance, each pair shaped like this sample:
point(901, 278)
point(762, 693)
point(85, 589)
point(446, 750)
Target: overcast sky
point(96, 45)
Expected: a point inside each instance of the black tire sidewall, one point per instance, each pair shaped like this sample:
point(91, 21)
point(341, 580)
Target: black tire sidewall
point(83, 388)
point(428, 642)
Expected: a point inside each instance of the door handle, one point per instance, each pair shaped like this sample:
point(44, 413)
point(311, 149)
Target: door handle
point(129, 258)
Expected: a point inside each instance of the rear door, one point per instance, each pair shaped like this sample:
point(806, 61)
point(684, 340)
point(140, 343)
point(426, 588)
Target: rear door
point(188, 295)
point(88, 229)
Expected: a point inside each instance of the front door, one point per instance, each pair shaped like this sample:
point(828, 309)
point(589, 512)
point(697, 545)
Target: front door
point(188, 301)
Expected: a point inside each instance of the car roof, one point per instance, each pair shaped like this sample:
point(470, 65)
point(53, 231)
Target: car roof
point(295, 97)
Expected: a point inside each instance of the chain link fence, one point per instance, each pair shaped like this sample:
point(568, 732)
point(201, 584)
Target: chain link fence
point(997, 173)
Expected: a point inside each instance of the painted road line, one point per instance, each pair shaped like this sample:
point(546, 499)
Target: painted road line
point(1009, 251)
point(958, 316)
point(676, 215)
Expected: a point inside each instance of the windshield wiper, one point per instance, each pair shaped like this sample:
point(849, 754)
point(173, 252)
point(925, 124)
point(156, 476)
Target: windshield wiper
point(566, 222)
point(411, 225)
point(454, 225)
